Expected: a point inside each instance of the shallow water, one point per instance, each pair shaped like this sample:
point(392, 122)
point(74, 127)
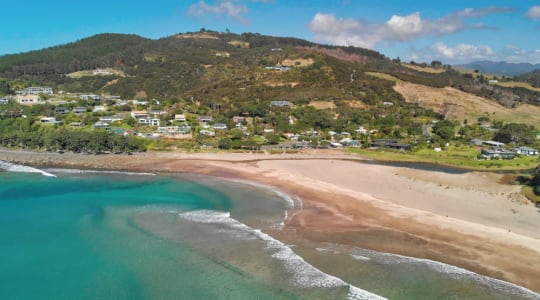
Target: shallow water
point(100, 236)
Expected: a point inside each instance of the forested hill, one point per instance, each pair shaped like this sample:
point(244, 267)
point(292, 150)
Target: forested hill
point(229, 70)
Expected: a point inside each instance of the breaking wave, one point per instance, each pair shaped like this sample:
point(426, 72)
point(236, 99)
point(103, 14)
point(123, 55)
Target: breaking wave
point(81, 171)
point(303, 274)
point(23, 169)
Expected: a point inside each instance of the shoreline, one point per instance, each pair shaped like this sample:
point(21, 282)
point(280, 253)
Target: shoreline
point(486, 229)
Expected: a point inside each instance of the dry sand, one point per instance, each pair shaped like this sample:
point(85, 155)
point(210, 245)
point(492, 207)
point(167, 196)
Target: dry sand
point(468, 220)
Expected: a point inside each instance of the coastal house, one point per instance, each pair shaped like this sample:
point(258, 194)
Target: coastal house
point(111, 119)
point(238, 119)
point(35, 91)
point(393, 144)
point(180, 117)
point(204, 119)
point(280, 103)
point(76, 124)
point(28, 99)
point(174, 130)
point(494, 144)
point(79, 110)
point(150, 121)
point(49, 120)
point(220, 126)
point(61, 110)
point(207, 133)
point(526, 151)
point(99, 108)
point(101, 125)
point(90, 97)
point(139, 114)
point(498, 154)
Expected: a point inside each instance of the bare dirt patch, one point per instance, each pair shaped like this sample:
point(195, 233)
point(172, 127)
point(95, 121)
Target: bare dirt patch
point(322, 104)
point(356, 104)
point(240, 44)
point(300, 62)
point(279, 83)
point(424, 69)
point(459, 105)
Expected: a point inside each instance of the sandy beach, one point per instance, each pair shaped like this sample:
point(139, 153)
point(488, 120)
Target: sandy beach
point(468, 220)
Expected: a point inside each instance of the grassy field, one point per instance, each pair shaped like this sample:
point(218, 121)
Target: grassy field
point(456, 156)
point(383, 76)
point(524, 85)
point(424, 69)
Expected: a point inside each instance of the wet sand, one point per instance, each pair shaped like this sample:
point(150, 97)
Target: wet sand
point(467, 220)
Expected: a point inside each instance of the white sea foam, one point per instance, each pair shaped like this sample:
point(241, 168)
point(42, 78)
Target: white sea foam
point(303, 274)
point(291, 202)
point(80, 171)
point(452, 271)
point(22, 169)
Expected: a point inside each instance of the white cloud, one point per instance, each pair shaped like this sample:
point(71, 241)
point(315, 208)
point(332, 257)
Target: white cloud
point(534, 12)
point(330, 29)
point(230, 8)
point(462, 52)
point(222, 8)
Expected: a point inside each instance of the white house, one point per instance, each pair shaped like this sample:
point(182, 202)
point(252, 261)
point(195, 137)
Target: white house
point(4, 101)
point(79, 110)
point(35, 91)
point(49, 120)
point(220, 126)
point(150, 121)
point(90, 97)
point(180, 117)
point(99, 108)
point(526, 151)
point(207, 133)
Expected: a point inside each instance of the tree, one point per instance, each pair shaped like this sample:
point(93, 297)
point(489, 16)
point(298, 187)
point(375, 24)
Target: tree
point(225, 143)
point(444, 129)
point(515, 133)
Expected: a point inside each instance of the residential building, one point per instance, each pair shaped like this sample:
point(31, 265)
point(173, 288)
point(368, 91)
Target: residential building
point(207, 133)
point(49, 120)
point(76, 124)
point(150, 121)
point(498, 154)
point(238, 119)
point(138, 114)
point(280, 103)
point(111, 119)
point(394, 144)
point(61, 110)
point(79, 110)
point(28, 99)
point(494, 144)
point(102, 125)
point(90, 97)
point(35, 91)
point(172, 130)
point(204, 119)
point(4, 101)
point(220, 126)
point(180, 117)
point(526, 151)
point(99, 108)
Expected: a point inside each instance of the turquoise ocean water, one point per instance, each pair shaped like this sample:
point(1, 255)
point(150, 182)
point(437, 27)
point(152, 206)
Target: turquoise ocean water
point(86, 235)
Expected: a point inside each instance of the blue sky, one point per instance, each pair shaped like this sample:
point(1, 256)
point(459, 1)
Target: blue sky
point(454, 31)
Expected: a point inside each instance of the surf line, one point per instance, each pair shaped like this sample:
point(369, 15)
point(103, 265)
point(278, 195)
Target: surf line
point(23, 169)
